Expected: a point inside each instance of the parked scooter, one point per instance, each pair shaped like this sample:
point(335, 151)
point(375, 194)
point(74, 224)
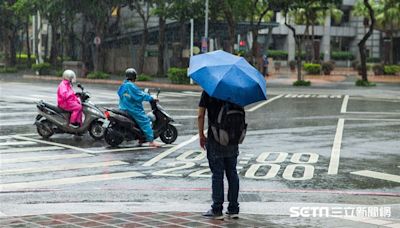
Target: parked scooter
point(120, 126)
point(52, 119)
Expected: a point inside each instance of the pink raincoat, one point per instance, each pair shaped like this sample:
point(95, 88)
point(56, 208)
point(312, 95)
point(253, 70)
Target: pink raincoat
point(68, 101)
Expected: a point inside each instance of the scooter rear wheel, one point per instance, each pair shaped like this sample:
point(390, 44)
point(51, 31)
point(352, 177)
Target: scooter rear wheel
point(169, 135)
point(44, 129)
point(113, 137)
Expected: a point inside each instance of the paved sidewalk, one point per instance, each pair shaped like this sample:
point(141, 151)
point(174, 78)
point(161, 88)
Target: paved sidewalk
point(138, 219)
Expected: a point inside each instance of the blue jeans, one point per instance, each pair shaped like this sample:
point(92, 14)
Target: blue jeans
point(223, 159)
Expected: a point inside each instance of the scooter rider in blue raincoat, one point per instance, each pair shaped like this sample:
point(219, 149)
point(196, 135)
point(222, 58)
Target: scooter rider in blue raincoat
point(130, 100)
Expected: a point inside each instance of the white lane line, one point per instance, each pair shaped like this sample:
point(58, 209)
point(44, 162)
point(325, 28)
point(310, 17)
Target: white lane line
point(50, 143)
point(18, 106)
point(32, 149)
point(43, 158)
point(335, 155)
point(264, 103)
point(81, 149)
point(13, 114)
point(17, 123)
point(378, 175)
point(184, 117)
point(344, 104)
point(69, 180)
point(23, 98)
point(127, 149)
point(376, 113)
point(335, 96)
point(170, 151)
point(243, 162)
point(62, 167)
point(17, 143)
point(371, 119)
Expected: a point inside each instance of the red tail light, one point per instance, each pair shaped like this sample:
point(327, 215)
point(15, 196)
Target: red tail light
point(107, 114)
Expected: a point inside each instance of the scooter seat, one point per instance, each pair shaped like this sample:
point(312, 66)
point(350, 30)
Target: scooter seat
point(55, 108)
point(121, 112)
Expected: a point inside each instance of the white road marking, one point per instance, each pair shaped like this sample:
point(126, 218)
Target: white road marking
point(18, 106)
point(243, 162)
point(378, 175)
point(374, 221)
point(127, 149)
point(335, 155)
point(170, 151)
point(23, 98)
point(50, 143)
point(264, 103)
point(43, 158)
point(372, 119)
point(184, 117)
point(17, 123)
point(81, 149)
point(30, 149)
point(14, 114)
point(376, 113)
point(62, 167)
point(16, 143)
point(344, 104)
point(69, 180)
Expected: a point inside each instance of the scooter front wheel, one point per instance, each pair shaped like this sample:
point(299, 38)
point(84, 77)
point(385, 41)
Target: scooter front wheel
point(169, 135)
point(96, 130)
point(44, 129)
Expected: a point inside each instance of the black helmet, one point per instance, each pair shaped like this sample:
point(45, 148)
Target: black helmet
point(130, 74)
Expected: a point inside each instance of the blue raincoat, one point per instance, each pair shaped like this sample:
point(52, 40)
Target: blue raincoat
point(130, 100)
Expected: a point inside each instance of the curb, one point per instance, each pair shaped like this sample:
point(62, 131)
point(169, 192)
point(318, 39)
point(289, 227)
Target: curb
point(166, 86)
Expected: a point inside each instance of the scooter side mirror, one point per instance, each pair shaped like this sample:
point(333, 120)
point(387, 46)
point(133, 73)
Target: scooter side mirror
point(80, 86)
point(158, 92)
point(146, 90)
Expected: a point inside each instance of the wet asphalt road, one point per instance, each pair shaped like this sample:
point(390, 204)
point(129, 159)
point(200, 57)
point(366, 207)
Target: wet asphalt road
point(307, 145)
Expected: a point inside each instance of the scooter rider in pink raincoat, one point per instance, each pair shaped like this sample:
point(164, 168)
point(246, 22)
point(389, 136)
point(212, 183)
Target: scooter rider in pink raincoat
point(67, 99)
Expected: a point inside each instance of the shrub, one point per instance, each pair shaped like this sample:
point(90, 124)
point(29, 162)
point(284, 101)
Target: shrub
point(342, 55)
point(373, 60)
point(8, 70)
point(378, 69)
point(178, 75)
point(301, 83)
point(364, 83)
point(312, 68)
point(98, 75)
point(369, 66)
point(327, 67)
point(391, 69)
point(292, 64)
point(277, 54)
point(42, 68)
point(144, 77)
point(59, 73)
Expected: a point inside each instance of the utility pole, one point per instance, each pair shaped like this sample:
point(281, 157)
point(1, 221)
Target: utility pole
point(206, 24)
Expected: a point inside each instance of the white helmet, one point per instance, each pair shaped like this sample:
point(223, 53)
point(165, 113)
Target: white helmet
point(69, 75)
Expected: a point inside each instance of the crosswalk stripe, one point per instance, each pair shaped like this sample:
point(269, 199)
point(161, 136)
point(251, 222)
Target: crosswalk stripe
point(43, 158)
point(61, 167)
point(17, 123)
point(16, 143)
point(31, 149)
point(68, 180)
point(14, 114)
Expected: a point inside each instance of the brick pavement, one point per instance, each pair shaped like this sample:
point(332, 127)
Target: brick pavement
point(137, 219)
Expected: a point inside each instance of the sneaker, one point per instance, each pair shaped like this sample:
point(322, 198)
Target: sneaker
point(73, 125)
point(232, 215)
point(213, 215)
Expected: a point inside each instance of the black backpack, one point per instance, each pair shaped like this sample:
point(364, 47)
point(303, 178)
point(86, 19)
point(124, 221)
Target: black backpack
point(230, 126)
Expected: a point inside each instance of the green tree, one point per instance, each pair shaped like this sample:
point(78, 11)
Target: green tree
point(387, 18)
point(163, 11)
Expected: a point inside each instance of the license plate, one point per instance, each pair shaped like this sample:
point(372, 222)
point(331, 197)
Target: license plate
point(106, 123)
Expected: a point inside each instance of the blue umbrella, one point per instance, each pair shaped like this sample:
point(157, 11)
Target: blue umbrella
point(228, 77)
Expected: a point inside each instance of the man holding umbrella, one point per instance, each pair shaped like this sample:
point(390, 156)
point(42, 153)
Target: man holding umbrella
point(229, 84)
point(220, 158)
